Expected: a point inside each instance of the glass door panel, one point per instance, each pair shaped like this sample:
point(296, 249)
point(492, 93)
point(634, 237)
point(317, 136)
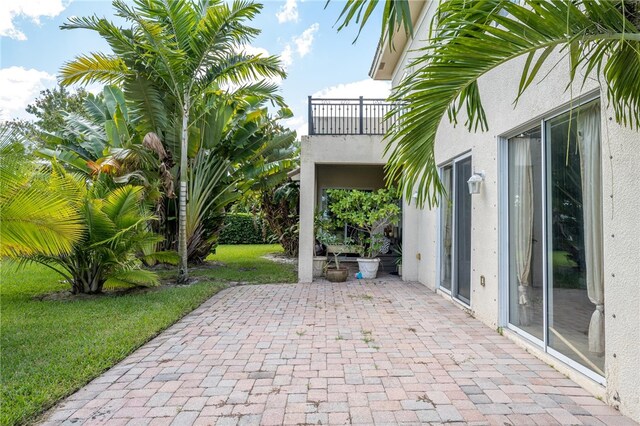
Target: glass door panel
point(446, 228)
point(575, 236)
point(526, 256)
point(462, 234)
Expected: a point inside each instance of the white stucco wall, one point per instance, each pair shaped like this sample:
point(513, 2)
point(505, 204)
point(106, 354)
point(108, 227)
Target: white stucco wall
point(621, 179)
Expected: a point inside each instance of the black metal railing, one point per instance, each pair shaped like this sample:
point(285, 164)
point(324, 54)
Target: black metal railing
point(348, 116)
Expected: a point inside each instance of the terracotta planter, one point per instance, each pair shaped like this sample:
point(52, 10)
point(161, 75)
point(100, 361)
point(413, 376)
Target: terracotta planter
point(337, 275)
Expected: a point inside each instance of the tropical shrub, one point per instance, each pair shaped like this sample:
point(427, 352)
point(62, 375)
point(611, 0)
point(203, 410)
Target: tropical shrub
point(115, 234)
point(369, 212)
point(281, 212)
point(174, 61)
point(243, 228)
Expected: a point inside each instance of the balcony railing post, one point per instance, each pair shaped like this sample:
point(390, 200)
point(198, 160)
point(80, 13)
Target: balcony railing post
point(361, 115)
point(310, 118)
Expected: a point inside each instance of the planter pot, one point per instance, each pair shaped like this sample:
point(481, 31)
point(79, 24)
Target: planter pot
point(400, 270)
point(368, 267)
point(319, 264)
point(337, 275)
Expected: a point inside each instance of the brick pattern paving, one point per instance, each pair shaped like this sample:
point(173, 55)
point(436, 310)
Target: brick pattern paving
point(353, 353)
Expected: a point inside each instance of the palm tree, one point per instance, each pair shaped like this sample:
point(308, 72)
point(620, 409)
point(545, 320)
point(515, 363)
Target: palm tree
point(175, 54)
point(599, 38)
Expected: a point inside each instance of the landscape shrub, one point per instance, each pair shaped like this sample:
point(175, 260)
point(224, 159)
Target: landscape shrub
point(244, 228)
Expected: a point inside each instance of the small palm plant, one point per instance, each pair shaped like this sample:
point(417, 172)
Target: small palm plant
point(116, 231)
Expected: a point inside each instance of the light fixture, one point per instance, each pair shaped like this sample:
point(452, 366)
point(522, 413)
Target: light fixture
point(474, 182)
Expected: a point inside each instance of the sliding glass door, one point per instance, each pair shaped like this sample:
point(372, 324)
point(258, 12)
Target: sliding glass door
point(455, 230)
point(556, 287)
point(526, 255)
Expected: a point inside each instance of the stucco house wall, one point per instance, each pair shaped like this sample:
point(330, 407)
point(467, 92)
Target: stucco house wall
point(621, 214)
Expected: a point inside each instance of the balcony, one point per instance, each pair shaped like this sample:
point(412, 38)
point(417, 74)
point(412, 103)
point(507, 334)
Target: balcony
point(348, 116)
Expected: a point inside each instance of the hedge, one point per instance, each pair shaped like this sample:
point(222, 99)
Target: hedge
point(243, 228)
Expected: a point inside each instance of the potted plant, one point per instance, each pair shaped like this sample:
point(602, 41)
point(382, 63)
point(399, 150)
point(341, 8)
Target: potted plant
point(335, 274)
point(398, 252)
point(370, 213)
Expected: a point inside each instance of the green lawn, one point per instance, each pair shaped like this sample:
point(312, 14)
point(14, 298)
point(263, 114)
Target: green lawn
point(49, 348)
point(244, 263)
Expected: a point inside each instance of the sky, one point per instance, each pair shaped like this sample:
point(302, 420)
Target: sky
point(319, 61)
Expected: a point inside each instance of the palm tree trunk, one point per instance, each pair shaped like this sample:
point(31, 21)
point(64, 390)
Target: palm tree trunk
point(183, 273)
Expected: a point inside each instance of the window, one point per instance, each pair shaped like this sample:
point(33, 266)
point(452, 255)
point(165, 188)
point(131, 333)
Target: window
point(556, 286)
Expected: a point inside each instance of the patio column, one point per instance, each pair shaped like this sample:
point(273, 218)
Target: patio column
point(307, 207)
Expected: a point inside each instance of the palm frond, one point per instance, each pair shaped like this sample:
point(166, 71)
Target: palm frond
point(122, 205)
point(396, 14)
point(472, 38)
point(35, 215)
point(94, 68)
point(133, 277)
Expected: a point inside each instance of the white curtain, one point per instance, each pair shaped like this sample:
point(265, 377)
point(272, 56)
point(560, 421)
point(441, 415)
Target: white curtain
point(590, 167)
point(521, 183)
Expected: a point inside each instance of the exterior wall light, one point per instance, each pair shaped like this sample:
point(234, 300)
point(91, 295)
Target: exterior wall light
point(474, 182)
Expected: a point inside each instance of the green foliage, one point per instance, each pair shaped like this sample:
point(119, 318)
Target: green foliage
point(35, 216)
point(49, 110)
point(173, 61)
point(243, 228)
point(105, 142)
point(209, 192)
point(369, 212)
point(51, 106)
point(116, 230)
point(280, 208)
point(51, 347)
point(600, 39)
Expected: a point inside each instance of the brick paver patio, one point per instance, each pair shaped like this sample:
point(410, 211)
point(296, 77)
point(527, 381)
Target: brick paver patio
point(384, 353)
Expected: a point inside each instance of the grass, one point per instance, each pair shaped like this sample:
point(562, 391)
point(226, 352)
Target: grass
point(245, 263)
point(562, 259)
point(50, 348)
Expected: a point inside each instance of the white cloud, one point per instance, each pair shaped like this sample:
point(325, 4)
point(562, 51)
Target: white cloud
point(298, 124)
point(305, 40)
point(30, 9)
point(20, 87)
point(368, 88)
point(286, 56)
point(288, 12)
